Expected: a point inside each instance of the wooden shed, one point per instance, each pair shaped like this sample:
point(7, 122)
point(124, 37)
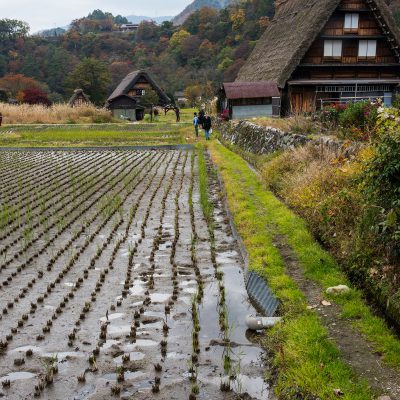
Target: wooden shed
point(250, 99)
point(79, 98)
point(126, 107)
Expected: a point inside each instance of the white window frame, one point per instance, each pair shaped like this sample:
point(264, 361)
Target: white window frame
point(351, 21)
point(367, 48)
point(333, 48)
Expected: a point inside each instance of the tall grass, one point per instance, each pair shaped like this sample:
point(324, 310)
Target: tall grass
point(56, 114)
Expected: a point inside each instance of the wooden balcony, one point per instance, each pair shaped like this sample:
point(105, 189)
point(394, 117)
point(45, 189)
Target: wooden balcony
point(349, 61)
point(341, 33)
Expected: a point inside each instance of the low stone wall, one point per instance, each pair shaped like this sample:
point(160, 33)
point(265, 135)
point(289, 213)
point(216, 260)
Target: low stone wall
point(263, 140)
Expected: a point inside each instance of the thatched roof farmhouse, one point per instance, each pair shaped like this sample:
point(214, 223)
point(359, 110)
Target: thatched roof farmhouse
point(125, 100)
point(320, 51)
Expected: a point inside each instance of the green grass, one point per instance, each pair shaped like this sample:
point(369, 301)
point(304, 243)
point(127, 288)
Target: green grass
point(186, 115)
point(307, 361)
point(76, 136)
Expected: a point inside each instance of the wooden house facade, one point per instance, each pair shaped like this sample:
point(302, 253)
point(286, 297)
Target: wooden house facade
point(125, 101)
point(320, 52)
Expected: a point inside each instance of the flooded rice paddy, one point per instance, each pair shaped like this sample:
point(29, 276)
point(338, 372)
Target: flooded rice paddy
point(112, 284)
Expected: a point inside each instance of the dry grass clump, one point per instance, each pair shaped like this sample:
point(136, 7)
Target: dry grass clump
point(321, 188)
point(281, 172)
point(279, 123)
point(56, 114)
point(297, 123)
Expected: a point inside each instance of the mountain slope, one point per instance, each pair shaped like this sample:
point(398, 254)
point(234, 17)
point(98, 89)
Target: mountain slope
point(196, 5)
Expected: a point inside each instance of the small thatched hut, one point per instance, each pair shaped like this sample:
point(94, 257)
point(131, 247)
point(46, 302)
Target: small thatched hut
point(79, 98)
point(327, 51)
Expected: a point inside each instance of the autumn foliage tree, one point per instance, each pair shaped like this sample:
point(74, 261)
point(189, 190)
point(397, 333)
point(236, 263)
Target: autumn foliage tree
point(16, 84)
point(193, 93)
point(36, 96)
point(211, 45)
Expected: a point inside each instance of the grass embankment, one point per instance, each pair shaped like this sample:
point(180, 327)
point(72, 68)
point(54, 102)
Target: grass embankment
point(79, 137)
point(308, 362)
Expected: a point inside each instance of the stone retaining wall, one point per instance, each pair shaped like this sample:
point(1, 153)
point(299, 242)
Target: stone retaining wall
point(263, 140)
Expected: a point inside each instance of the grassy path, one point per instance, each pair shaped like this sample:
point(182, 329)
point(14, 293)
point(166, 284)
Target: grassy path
point(309, 364)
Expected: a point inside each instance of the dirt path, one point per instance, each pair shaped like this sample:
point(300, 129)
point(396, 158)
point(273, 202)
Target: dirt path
point(354, 348)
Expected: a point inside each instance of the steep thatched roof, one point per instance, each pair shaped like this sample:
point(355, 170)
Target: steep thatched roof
point(78, 93)
point(129, 81)
point(296, 25)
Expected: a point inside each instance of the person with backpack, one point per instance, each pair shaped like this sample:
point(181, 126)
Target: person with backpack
point(196, 124)
point(201, 117)
point(207, 126)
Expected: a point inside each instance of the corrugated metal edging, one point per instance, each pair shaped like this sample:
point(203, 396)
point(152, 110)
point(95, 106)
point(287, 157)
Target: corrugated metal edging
point(261, 294)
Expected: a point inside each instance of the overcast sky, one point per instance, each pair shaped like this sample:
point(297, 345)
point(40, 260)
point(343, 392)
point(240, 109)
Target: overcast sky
point(44, 14)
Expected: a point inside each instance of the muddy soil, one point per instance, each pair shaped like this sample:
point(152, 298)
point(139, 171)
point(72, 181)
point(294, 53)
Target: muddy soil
point(96, 299)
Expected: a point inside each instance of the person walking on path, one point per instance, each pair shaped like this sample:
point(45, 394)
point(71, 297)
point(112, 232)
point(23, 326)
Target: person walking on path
point(196, 124)
point(207, 126)
point(178, 114)
point(201, 117)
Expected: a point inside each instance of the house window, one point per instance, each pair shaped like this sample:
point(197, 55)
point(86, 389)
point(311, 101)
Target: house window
point(351, 22)
point(140, 92)
point(333, 49)
point(367, 49)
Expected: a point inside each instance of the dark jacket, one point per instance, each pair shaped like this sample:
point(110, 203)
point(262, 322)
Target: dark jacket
point(207, 123)
point(201, 117)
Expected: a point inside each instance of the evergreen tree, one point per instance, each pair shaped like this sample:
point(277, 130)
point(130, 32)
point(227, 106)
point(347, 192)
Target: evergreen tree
point(93, 77)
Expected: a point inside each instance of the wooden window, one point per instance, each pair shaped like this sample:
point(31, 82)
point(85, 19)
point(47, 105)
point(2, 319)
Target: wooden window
point(366, 49)
point(351, 21)
point(140, 92)
point(333, 49)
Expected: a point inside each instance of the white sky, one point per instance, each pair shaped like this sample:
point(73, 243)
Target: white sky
point(45, 14)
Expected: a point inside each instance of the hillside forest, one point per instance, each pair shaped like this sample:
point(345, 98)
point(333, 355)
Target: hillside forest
point(209, 47)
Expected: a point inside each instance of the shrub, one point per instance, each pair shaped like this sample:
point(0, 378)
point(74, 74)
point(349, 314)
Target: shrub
point(36, 96)
point(396, 101)
point(381, 179)
point(358, 120)
point(330, 114)
point(102, 118)
point(303, 125)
